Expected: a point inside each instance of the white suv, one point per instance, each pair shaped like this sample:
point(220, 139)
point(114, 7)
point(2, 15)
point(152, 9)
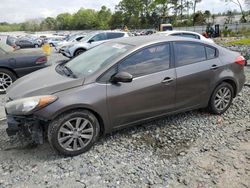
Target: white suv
point(91, 40)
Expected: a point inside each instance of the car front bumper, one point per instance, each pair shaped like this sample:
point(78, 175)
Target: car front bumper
point(28, 127)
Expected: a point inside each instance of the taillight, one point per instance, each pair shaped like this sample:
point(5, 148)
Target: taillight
point(41, 60)
point(240, 61)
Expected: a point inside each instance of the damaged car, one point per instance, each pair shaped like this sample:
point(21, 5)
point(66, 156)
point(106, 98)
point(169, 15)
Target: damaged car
point(121, 83)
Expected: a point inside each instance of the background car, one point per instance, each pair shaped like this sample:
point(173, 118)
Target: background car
point(187, 34)
point(9, 40)
point(69, 41)
point(27, 43)
point(54, 41)
point(121, 83)
point(17, 63)
point(91, 40)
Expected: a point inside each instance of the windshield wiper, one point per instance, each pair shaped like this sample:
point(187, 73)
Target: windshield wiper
point(67, 71)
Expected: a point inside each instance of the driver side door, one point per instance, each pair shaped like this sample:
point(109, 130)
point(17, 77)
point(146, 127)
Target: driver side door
point(152, 91)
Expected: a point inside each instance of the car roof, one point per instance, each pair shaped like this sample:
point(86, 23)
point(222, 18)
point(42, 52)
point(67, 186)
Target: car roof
point(178, 31)
point(147, 40)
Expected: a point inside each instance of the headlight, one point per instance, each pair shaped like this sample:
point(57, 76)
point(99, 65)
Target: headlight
point(26, 105)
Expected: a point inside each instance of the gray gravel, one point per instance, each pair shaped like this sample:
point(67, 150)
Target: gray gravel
point(193, 149)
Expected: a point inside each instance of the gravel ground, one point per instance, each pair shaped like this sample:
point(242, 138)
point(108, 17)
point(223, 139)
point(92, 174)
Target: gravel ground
point(193, 149)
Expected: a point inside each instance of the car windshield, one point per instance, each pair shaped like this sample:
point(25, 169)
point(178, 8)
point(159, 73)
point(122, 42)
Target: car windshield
point(6, 48)
point(93, 60)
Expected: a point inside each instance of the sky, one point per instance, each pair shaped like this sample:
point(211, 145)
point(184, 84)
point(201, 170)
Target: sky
point(15, 11)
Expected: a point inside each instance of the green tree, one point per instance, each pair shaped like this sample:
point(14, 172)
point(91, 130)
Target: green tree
point(48, 24)
point(103, 18)
point(64, 21)
point(116, 20)
point(239, 4)
point(207, 15)
point(85, 19)
point(194, 9)
point(199, 18)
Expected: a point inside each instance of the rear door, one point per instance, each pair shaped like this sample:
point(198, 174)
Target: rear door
point(152, 91)
point(114, 35)
point(196, 67)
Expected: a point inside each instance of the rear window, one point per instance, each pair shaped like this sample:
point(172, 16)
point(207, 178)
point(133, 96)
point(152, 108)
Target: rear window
point(211, 53)
point(188, 53)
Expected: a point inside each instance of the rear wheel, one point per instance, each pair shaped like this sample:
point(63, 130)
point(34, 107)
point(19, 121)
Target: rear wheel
point(36, 46)
point(6, 79)
point(221, 98)
point(73, 133)
point(78, 52)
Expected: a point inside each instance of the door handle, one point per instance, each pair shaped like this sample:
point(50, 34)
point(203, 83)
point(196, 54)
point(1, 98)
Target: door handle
point(214, 67)
point(167, 80)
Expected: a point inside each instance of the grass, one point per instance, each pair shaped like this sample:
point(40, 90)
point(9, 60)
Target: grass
point(245, 41)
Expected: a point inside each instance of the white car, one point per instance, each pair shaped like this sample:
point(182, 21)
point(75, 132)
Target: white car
point(71, 40)
point(188, 34)
point(91, 40)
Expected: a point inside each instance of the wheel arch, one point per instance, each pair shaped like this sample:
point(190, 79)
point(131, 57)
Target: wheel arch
point(80, 48)
point(10, 69)
point(230, 81)
point(97, 115)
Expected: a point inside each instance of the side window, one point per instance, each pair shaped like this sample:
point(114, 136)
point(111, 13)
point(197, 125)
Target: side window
point(188, 53)
point(99, 37)
point(114, 35)
point(147, 61)
point(176, 34)
point(79, 38)
point(188, 35)
point(211, 53)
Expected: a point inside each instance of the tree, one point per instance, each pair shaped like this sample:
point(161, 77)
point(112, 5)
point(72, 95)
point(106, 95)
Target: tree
point(230, 16)
point(64, 21)
point(207, 15)
point(194, 8)
point(48, 24)
point(239, 4)
point(103, 18)
point(85, 19)
point(199, 18)
point(213, 19)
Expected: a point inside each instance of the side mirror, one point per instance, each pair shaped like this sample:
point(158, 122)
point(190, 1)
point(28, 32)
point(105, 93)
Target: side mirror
point(90, 41)
point(123, 77)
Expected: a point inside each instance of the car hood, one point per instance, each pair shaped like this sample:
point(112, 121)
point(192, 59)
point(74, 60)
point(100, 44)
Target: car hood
point(43, 82)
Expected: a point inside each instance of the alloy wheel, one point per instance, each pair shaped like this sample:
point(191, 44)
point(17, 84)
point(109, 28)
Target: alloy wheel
point(5, 81)
point(222, 98)
point(75, 134)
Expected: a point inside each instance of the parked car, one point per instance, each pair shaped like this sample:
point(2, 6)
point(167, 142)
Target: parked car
point(9, 40)
point(54, 41)
point(28, 43)
point(187, 34)
point(121, 83)
point(17, 63)
point(91, 40)
point(69, 41)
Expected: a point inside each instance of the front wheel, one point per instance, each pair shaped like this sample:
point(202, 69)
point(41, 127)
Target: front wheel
point(79, 52)
point(73, 133)
point(221, 98)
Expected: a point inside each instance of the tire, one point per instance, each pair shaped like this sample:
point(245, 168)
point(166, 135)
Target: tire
point(216, 104)
point(51, 45)
point(36, 46)
point(6, 79)
point(79, 52)
point(62, 138)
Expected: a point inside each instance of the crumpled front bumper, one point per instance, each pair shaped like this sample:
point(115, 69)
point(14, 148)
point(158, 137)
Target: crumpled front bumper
point(28, 127)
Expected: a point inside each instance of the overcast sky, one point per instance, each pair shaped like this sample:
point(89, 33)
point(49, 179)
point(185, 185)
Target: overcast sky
point(22, 10)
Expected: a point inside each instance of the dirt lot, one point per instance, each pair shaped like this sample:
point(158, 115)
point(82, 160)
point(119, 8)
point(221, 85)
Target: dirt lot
point(193, 149)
